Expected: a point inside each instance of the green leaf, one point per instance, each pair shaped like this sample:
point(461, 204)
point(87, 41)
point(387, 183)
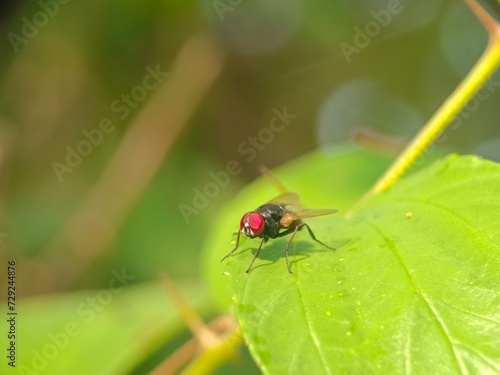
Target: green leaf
point(411, 287)
point(108, 331)
point(328, 178)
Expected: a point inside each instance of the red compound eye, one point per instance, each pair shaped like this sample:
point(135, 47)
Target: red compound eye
point(252, 223)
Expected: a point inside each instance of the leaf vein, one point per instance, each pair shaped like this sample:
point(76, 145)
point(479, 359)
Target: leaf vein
point(442, 326)
point(454, 214)
point(313, 335)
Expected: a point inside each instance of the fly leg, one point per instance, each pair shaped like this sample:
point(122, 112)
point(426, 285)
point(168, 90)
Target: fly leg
point(288, 245)
point(237, 244)
point(256, 255)
point(292, 230)
point(314, 237)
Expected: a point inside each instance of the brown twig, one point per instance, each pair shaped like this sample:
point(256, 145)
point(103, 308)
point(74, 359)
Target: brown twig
point(490, 23)
point(189, 315)
point(378, 142)
point(205, 337)
point(94, 226)
point(223, 327)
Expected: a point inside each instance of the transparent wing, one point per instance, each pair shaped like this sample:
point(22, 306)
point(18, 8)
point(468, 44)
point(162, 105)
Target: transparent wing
point(311, 212)
point(296, 210)
point(291, 216)
point(286, 197)
point(273, 179)
point(289, 198)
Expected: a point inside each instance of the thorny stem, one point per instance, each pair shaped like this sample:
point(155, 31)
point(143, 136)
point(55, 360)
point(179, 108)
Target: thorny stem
point(480, 73)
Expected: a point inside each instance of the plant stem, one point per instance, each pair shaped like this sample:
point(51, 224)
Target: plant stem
point(480, 73)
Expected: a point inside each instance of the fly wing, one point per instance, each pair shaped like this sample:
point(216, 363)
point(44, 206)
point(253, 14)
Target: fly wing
point(273, 179)
point(311, 212)
point(286, 197)
point(289, 198)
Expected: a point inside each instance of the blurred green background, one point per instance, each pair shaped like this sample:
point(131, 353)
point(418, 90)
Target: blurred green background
point(64, 64)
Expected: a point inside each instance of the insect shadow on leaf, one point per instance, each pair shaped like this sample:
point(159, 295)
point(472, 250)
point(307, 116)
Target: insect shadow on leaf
point(277, 218)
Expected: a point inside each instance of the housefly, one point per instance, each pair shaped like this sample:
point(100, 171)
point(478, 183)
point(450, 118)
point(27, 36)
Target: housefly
point(277, 218)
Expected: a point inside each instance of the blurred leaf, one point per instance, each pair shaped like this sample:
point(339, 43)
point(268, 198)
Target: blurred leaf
point(257, 27)
point(461, 28)
point(375, 107)
point(411, 287)
point(341, 21)
point(489, 149)
point(97, 332)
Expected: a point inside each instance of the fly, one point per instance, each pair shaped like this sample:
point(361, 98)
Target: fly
point(275, 219)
